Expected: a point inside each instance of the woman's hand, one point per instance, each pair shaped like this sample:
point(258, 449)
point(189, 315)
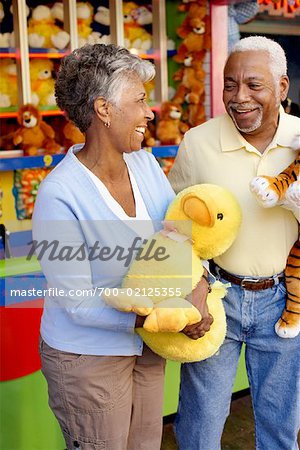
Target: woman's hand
point(198, 298)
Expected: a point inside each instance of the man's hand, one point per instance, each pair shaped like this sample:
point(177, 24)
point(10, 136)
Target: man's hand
point(198, 298)
point(139, 321)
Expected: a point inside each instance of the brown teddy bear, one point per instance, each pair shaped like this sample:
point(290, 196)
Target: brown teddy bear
point(195, 13)
point(196, 40)
point(72, 135)
point(192, 78)
point(186, 5)
point(196, 113)
point(34, 135)
point(170, 128)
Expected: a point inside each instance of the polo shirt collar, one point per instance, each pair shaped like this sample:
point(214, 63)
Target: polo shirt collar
point(232, 140)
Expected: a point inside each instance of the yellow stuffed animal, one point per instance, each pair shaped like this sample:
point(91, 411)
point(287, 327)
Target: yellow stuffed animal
point(42, 82)
point(202, 222)
point(43, 31)
point(85, 13)
point(8, 84)
point(135, 36)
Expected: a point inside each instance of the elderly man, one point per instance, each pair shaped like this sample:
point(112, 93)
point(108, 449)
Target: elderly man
point(254, 137)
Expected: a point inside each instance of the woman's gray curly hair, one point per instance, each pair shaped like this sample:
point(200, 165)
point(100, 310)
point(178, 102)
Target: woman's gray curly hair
point(277, 58)
point(94, 71)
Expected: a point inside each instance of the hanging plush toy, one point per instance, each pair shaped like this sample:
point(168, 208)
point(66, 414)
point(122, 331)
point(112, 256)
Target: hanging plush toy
point(201, 222)
point(284, 190)
point(191, 77)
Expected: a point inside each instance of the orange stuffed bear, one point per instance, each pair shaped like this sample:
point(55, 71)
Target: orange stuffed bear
point(195, 13)
point(186, 5)
point(192, 78)
point(170, 128)
point(34, 135)
point(196, 40)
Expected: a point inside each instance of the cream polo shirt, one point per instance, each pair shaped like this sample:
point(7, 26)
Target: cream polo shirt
point(215, 152)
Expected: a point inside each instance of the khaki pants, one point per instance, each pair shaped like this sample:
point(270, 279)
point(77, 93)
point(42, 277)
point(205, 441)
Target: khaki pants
point(106, 402)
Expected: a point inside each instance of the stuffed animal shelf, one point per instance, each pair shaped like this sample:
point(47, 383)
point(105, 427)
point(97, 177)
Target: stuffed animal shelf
point(34, 136)
point(284, 190)
point(201, 223)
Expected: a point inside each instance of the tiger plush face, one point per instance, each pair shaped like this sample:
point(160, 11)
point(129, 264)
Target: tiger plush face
point(284, 190)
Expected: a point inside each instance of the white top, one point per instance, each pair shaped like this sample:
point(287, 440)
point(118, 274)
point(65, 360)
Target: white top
point(141, 223)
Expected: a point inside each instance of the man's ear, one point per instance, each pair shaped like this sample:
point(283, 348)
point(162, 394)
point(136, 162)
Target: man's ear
point(101, 108)
point(284, 87)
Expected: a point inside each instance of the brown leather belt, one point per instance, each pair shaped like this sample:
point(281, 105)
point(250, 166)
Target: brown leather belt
point(250, 284)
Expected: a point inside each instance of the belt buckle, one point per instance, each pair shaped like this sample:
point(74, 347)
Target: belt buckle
point(249, 280)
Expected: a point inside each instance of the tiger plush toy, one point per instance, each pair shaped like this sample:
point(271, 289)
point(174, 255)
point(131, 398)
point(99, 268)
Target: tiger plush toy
point(284, 190)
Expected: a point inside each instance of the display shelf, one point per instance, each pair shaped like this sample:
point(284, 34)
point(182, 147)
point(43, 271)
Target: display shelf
point(9, 52)
point(44, 113)
point(44, 53)
point(30, 162)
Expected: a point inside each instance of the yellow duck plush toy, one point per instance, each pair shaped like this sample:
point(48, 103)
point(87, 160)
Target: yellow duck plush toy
point(201, 223)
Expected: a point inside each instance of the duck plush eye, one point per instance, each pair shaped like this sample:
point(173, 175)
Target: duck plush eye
point(220, 216)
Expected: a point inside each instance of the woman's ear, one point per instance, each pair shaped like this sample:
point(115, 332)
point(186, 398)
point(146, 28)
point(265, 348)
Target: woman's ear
point(102, 109)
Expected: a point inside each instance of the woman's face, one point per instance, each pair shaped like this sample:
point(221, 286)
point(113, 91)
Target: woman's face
point(129, 118)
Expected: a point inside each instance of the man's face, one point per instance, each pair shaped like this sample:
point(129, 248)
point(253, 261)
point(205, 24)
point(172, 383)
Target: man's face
point(251, 95)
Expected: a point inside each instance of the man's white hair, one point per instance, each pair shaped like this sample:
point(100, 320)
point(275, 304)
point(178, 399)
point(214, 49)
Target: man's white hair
point(278, 64)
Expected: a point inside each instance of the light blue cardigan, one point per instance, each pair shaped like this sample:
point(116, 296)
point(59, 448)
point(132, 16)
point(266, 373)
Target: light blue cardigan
point(70, 209)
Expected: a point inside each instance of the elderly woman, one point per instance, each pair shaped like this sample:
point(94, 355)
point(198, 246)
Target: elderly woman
point(105, 388)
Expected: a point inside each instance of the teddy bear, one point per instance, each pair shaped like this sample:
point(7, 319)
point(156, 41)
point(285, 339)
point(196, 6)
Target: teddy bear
point(34, 135)
point(142, 15)
point(8, 85)
point(192, 77)
point(196, 40)
point(170, 128)
point(284, 190)
point(187, 4)
point(195, 13)
point(201, 223)
point(85, 16)
point(102, 17)
point(43, 30)
point(7, 37)
point(195, 113)
point(72, 135)
point(135, 36)
point(42, 82)
point(85, 13)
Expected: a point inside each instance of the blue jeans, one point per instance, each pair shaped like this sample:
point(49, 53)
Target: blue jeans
point(273, 368)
